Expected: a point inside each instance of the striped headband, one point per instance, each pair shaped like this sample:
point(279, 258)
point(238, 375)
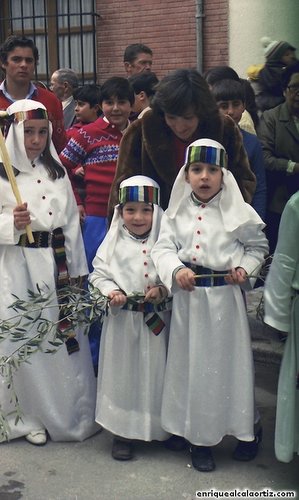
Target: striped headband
point(32, 114)
point(207, 154)
point(145, 194)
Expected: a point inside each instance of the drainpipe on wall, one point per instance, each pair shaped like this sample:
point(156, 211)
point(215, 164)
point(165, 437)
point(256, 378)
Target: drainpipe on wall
point(199, 34)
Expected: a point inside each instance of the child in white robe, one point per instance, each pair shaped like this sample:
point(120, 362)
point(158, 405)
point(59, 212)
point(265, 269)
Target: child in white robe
point(134, 337)
point(209, 230)
point(281, 297)
point(56, 392)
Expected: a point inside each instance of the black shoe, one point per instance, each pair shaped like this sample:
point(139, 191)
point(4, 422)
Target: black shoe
point(175, 443)
point(122, 450)
point(248, 450)
point(202, 458)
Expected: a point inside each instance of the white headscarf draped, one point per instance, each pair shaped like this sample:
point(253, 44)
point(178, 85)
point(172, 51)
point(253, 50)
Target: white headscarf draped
point(106, 249)
point(15, 137)
point(234, 209)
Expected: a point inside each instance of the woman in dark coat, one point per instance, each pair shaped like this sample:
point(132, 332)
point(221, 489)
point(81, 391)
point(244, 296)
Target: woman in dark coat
point(183, 110)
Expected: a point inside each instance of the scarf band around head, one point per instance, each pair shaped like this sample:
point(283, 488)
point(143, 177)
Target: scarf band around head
point(145, 194)
point(32, 114)
point(207, 154)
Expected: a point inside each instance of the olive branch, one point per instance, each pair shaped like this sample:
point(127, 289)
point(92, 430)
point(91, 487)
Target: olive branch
point(32, 331)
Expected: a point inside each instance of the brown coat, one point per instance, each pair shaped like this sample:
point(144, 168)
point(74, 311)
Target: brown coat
point(147, 149)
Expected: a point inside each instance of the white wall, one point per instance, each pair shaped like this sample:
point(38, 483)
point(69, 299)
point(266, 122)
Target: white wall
point(250, 20)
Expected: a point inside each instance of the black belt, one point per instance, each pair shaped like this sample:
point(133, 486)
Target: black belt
point(208, 280)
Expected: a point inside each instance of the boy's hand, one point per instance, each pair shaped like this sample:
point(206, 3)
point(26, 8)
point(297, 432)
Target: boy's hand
point(21, 216)
point(156, 294)
point(237, 276)
point(117, 298)
point(185, 279)
point(79, 172)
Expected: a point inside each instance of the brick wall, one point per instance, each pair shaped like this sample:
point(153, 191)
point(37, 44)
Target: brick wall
point(168, 27)
point(215, 35)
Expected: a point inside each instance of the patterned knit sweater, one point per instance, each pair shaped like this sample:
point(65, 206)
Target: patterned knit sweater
point(94, 146)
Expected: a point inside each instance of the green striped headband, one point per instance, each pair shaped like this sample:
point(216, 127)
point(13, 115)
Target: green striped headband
point(145, 194)
point(206, 154)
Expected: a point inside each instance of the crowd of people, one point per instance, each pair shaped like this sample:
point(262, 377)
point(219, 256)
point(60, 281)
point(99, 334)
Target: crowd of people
point(166, 196)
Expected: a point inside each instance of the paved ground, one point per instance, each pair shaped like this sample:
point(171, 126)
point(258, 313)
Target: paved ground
point(86, 471)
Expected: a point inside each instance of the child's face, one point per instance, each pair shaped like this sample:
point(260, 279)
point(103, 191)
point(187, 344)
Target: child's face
point(137, 217)
point(184, 127)
point(233, 108)
point(205, 180)
point(35, 137)
point(86, 113)
point(117, 111)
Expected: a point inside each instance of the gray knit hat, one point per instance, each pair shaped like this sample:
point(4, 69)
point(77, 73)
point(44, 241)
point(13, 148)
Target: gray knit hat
point(274, 50)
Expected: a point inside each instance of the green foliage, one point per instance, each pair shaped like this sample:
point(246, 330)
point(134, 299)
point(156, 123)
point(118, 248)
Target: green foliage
point(30, 330)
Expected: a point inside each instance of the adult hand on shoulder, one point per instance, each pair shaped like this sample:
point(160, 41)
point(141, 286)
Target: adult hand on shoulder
point(21, 216)
point(185, 279)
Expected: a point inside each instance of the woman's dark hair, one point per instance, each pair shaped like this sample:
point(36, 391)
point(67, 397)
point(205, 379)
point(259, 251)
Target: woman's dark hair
point(184, 90)
point(119, 87)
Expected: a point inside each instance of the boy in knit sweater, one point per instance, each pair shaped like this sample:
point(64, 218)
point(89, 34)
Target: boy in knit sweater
point(95, 147)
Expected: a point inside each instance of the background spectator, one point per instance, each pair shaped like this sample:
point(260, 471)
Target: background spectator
point(279, 135)
point(63, 83)
point(137, 58)
point(19, 56)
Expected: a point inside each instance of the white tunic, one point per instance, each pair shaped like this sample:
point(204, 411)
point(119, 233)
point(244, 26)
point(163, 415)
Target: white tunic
point(56, 392)
point(282, 312)
point(209, 380)
point(132, 359)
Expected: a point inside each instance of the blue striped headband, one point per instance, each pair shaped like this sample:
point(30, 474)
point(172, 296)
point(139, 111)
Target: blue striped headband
point(145, 194)
point(207, 154)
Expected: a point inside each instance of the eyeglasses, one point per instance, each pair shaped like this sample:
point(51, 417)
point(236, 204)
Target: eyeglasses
point(294, 88)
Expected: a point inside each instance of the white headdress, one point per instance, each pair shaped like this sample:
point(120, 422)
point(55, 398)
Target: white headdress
point(137, 188)
point(21, 110)
point(234, 209)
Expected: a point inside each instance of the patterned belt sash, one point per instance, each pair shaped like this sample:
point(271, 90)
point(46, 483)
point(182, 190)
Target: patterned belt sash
point(209, 280)
point(42, 239)
point(150, 313)
point(55, 239)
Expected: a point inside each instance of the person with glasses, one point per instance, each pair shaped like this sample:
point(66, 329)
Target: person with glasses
point(279, 134)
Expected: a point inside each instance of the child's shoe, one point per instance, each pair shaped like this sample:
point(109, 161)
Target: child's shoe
point(38, 438)
point(202, 458)
point(122, 449)
point(175, 443)
point(248, 450)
